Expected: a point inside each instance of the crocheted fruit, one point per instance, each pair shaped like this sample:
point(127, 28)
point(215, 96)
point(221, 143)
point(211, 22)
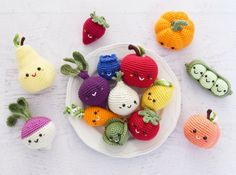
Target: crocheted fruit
point(93, 116)
point(116, 132)
point(94, 28)
point(139, 69)
point(158, 95)
point(209, 78)
point(94, 90)
point(174, 30)
point(35, 73)
point(122, 100)
point(37, 132)
point(144, 124)
point(107, 66)
point(201, 130)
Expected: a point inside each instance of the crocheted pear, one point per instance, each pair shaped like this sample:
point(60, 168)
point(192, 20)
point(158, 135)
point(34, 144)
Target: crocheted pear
point(116, 132)
point(201, 130)
point(139, 69)
point(122, 100)
point(35, 72)
point(107, 66)
point(144, 124)
point(209, 78)
point(158, 95)
point(38, 132)
point(94, 90)
point(94, 28)
point(93, 115)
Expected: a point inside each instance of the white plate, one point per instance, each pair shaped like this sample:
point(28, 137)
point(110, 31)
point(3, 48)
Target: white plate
point(92, 136)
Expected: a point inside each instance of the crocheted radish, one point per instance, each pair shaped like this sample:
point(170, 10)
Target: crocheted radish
point(94, 90)
point(38, 132)
point(94, 28)
point(35, 72)
point(144, 124)
point(139, 69)
point(122, 99)
point(93, 115)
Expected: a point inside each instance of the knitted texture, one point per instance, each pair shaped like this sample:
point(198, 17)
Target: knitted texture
point(107, 66)
point(143, 126)
point(158, 95)
point(201, 132)
point(139, 70)
point(209, 78)
point(116, 132)
point(174, 30)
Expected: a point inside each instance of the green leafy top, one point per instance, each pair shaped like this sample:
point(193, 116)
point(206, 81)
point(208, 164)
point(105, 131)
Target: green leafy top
point(150, 116)
point(20, 109)
point(118, 76)
point(99, 20)
point(177, 25)
point(163, 82)
point(18, 41)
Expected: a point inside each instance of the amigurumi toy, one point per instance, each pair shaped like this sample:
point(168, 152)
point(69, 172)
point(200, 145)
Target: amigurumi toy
point(201, 130)
point(35, 73)
point(107, 66)
point(139, 69)
point(122, 100)
point(38, 132)
point(93, 115)
point(209, 78)
point(116, 132)
point(174, 30)
point(94, 90)
point(94, 28)
point(144, 124)
point(158, 95)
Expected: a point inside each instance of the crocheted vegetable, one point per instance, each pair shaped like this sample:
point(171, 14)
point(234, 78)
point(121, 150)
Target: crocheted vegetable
point(174, 30)
point(93, 116)
point(139, 69)
point(201, 130)
point(94, 90)
point(158, 95)
point(209, 78)
point(94, 28)
point(122, 100)
point(116, 132)
point(35, 73)
point(107, 66)
point(144, 124)
point(38, 132)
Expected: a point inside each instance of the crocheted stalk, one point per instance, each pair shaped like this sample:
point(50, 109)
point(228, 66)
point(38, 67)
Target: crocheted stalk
point(178, 25)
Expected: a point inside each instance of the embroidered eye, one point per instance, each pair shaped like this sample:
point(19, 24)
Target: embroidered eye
point(27, 75)
point(149, 77)
point(134, 125)
point(29, 141)
point(217, 85)
point(119, 134)
point(205, 137)
point(194, 67)
point(206, 76)
point(95, 113)
point(213, 81)
point(40, 135)
point(110, 137)
point(201, 73)
point(149, 93)
point(194, 130)
point(224, 90)
point(144, 133)
point(123, 105)
point(135, 102)
point(135, 74)
point(39, 68)
point(172, 48)
point(153, 101)
point(161, 43)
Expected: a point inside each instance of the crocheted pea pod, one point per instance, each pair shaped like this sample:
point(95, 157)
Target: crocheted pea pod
point(35, 72)
point(38, 132)
point(201, 130)
point(94, 90)
point(209, 78)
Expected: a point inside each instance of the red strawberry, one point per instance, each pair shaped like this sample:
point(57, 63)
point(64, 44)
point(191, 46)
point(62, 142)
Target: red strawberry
point(139, 70)
point(144, 124)
point(94, 28)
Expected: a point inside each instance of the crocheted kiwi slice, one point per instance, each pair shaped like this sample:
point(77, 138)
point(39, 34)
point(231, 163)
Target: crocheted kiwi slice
point(211, 116)
point(18, 41)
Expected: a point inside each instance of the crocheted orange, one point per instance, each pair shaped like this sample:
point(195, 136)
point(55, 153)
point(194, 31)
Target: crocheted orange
point(174, 30)
point(202, 130)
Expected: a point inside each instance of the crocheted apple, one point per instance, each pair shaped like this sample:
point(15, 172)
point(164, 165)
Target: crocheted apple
point(94, 90)
point(139, 69)
point(38, 132)
point(122, 100)
point(144, 124)
point(94, 28)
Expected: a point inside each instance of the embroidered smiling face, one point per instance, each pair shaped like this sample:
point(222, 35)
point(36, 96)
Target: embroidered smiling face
point(208, 79)
point(220, 88)
point(197, 71)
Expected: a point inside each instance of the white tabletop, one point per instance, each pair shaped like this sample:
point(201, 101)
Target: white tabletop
point(54, 27)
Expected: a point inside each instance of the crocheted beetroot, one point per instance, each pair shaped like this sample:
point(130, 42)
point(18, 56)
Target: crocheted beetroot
point(144, 124)
point(94, 90)
point(139, 69)
point(37, 132)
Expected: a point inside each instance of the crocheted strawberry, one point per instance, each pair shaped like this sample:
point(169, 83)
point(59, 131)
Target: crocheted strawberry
point(139, 69)
point(94, 28)
point(144, 124)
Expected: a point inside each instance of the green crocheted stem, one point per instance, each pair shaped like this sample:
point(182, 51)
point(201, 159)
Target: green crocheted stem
point(163, 82)
point(118, 76)
point(150, 116)
point(211, 115)
point(138, 50)
point(18, 41)
point(177, 25)
point(99, 20)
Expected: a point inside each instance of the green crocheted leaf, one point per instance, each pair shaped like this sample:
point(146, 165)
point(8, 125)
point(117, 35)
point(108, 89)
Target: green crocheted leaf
point(99, 20)
point(11, 121)
point(79, 59)
point(66, 69)
point(177, 25)
point(163, 82)
point(150, 116)
point(118, 76)
point(141, 50)
point(23, 104)
point(124, 137)
point(15, 108)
